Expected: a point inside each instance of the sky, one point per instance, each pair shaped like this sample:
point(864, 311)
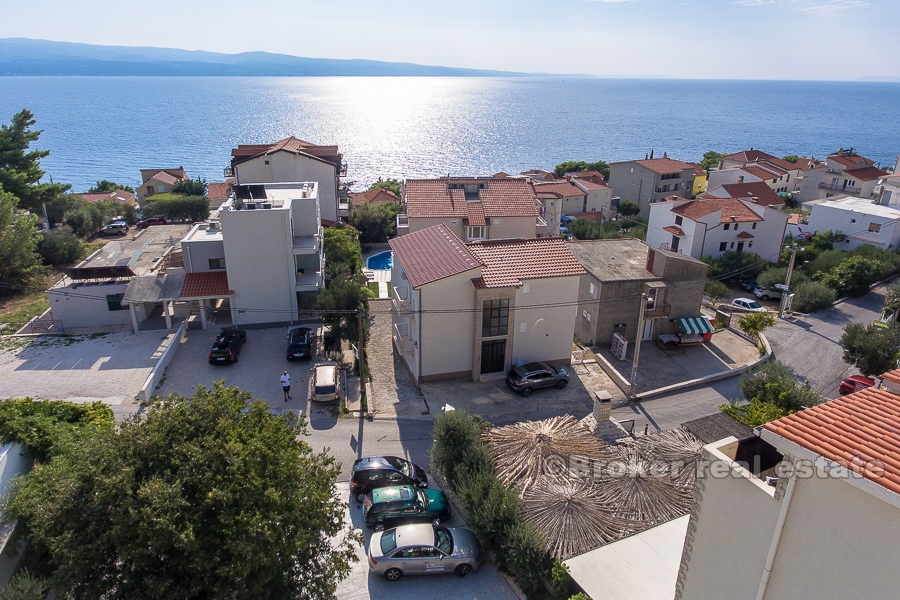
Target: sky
point(705, 39)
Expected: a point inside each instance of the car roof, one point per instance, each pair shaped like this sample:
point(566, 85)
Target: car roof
point(417, 534)
point(298, 327)
point(747, 300)
point(325, 374)
point(393, 493)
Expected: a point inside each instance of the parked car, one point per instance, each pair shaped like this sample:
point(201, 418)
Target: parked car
point(227, 347)
point(301, 343)
point(326, 382)
point(748, 304)
point(748, 284)
point(378, 471)
point(115, 229)
point(423, 549)
point(387, 507)
point(151, 221)
point(535, 375)
point(855, 383)
point(774, 293)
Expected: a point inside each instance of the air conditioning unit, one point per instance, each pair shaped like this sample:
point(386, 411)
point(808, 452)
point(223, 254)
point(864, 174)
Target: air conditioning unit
point(249, 205)
point(265, 205)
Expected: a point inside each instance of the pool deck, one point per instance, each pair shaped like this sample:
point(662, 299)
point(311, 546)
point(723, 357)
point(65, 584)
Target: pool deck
point(382, 276)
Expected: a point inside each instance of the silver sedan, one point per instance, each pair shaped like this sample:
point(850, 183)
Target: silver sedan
point(423, 549)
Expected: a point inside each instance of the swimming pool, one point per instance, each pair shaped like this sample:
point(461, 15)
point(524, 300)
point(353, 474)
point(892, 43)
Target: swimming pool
point(381, 261)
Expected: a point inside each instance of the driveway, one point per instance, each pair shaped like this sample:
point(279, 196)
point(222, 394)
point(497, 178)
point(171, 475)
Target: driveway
point(484, 584)
point(105, 367)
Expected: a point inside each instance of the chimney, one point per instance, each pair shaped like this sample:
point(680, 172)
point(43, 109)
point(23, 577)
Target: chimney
point(602, 406)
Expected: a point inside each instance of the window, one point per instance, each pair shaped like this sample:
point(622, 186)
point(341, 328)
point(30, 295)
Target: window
point(495, 318)
point(216, 263)
point(679, 220)
point(266, 162)
point(593, 291)
point(523, 328)
point(723, 246)
point(526, 288)
point(732, 245)
point(735, 226)
point(475, 233)
point(750, 244)
point(150, 189)
point(727, 226)
point(852, 220)
point(875, 227)
point(754, 226)
point(496, 221)
point(586, 315)
point(114, 302)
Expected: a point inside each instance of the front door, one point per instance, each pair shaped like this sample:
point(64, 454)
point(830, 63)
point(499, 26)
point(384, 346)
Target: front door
point(493, 356)
point(647, 334)
point(674, 243)
point(740, 247)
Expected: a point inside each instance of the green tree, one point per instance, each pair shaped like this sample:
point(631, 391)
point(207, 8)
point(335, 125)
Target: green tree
point(731, 264)
point(191, 187)
point(25, 586)
point(345, 294)
point(46, 427)
point(19, 261)
point(776, 384)
point(579, 166)
point(177, 208)
point(872, 350)
point(59, 247)
point(755, 323)
point(711, 159)
point(376, 223)
point(109, 186)
point(853, 276)
point(891, 300)
point(811, 296)
point(210, 496)
point(391, 185)
point(791, 158)
point(715, 289)
point(343, 255)
point(754, 414)
point(20, 170)
point(628, 208)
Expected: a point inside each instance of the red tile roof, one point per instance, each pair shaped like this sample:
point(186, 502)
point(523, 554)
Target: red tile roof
point(560, 188)
point(327, 154)
point(432, 254)
point(750, 156)
point(590, 184)
point(165, 178)
point(218, 190)
point(865, 173)
point(850, 159)
point(860, 431)
point(595, 176)
point(506, 263)
point(500, 198)
point(664, 165)
point(761, 172)
point(730, 207)
point(673, 230)
point(893, 376)
point(378, 196)
point(764, 195)
point(208, 284)
point(476, 213)
point(745, 235)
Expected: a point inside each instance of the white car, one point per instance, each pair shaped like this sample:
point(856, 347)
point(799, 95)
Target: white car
point(774, 293)
point(326, 382)
point(748, 305)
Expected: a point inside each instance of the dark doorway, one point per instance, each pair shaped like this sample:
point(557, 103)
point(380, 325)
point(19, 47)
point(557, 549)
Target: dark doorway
point(740, 247)
point(493, 355)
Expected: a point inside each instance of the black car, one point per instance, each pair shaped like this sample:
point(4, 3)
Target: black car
point(151, 221)
point(227, 346)
point(301, 343)
point(535, 375)
point(381, 471)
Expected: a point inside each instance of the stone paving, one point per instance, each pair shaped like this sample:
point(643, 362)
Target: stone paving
point(394, 393)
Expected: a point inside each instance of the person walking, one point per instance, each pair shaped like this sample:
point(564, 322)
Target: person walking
point(286, 386)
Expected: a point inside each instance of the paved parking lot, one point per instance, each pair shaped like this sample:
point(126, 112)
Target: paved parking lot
point(106, 367)
point(484, 584)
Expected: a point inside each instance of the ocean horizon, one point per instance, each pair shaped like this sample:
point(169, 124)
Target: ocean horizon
point(110, 127)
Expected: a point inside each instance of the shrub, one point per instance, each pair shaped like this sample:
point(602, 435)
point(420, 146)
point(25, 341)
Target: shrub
point(824, 263)
point(889, 262)
point(59, 247)
point(559, 574)
point(853, 276)
point(731, 264)
point(455, 433)
point(775, 383)
point(755, 323)
point(177, 208)
point(24, 586)
point(811, 296)
point(525, 556)
point(44, 427)
point(872, 350)
point(716, 289)
point(191, 187)
point(754, 414)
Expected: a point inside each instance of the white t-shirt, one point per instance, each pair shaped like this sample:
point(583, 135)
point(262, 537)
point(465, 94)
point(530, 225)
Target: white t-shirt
point(285, 380)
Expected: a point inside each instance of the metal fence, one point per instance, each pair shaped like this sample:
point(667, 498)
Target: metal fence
point(33, 327)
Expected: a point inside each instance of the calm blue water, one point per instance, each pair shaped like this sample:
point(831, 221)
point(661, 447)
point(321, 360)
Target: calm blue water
point(109, 127)
point(382, 261)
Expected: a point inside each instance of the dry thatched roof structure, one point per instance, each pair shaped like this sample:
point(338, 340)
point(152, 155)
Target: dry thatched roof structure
point(573, 517)
point(525, 452)
point(678, 449)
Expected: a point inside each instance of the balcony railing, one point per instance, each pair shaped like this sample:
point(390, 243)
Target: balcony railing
point(657, 309)
point(310, 282)
point(401, 299)
point(844, 189)
point(305, 244)
point(343, 170)
point(402, 224)
point(401, 338)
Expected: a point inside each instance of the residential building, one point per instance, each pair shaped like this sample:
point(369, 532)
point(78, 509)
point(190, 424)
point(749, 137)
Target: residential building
point(578, 194)
point(539, 175)
point(809, 509)
point(844, 173)
point(261, 259)
point(474, 309)
point(712, 226)
point(757, 192)
point(117, 196)
point(864, 222)
point(292, 160)
point(218, 192)
point(646, 182)
point(701, 180)
point(159, 181)
point(752, 166)
point(888, 191)
point(618, 272)
point(482, 208)
point(374, 197)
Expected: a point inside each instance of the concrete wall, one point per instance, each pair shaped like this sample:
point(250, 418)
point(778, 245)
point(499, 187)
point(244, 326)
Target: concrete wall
point(541, 333)
point(509, 227)
point(661, 216)
point(84, 305)
point(620, 303)
point(830, 218)
point(446, 338)
point(287, 167)
point(305, 216)
point(574, 204)
point(688, 279)
point(729, 176)
point(197, 254)
point(729, 532)
point(261, 268)
point(588, 300)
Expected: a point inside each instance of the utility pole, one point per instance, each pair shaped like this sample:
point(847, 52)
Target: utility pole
point(637, 346)
point(362, 359)
point(787, 281)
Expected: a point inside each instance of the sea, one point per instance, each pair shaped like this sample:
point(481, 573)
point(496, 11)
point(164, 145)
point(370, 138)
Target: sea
point(110, 127)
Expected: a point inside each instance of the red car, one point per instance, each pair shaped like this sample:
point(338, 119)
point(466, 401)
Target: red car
point(855, 383)
point(151, 221)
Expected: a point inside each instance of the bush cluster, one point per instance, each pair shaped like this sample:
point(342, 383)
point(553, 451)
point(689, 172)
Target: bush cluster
point(177, 208)
point(465, 462)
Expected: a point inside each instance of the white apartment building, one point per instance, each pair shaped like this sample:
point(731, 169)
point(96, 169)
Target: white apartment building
point(844, 173)
point(864, 222)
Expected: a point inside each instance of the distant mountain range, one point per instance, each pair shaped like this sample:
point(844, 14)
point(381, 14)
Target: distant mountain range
point(23, 56)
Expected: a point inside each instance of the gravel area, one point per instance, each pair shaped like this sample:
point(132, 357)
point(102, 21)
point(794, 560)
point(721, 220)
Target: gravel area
point(109, 367)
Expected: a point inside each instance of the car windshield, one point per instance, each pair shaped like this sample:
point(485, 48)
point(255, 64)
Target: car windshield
point(388, 541)
point(422, 497)
point(401, 465)
point(443, 541)
point(755, 305)
point(324, 389)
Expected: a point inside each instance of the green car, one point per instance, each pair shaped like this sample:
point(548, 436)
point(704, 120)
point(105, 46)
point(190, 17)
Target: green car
point(388, 507)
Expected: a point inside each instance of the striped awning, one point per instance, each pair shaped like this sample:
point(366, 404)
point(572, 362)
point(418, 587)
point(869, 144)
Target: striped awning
point(694, 325)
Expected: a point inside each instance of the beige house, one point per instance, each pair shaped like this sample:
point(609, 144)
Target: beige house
point(291, 160)
point(577, 195)
point(473, 310)
point(646, 182)
point(756, 166)
point(844, 173)
point(824, 523)
point(159, 181)
point(618, 272)
point(474, 209)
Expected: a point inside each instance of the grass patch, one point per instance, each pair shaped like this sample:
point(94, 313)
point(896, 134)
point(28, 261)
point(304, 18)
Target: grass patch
point(372, 287)
point(21, 309)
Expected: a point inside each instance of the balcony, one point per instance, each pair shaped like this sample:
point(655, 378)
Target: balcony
point(342, 172)
point(540, 228)
point(402, 339)
point(843, 189)
point(657, 309)
point(401, 299)
point(310, 282)
point(402, 224)
point(306, 244)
